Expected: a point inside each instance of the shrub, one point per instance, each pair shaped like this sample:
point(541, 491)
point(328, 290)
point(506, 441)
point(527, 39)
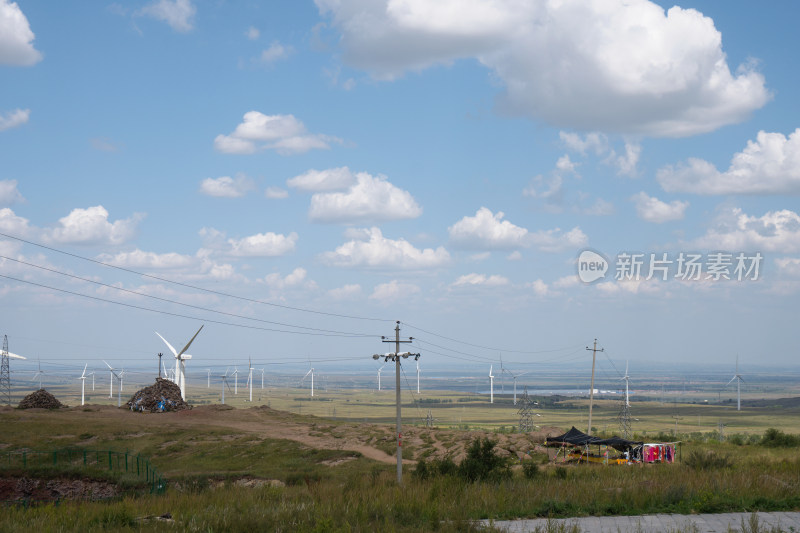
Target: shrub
point(482, 463)
point(530, 469)
point(775, 438)
point(708, 460)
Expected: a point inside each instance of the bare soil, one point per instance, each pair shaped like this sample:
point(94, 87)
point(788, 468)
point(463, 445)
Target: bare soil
point(32, 489)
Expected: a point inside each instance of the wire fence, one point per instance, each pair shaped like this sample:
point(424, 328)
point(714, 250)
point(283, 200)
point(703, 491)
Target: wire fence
point(122, 462)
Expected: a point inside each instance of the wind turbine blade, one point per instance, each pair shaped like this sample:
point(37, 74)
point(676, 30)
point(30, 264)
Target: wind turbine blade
point(731, 381)
point(185, 357)
point(109, 366)
point(490, 371)
point(15, 356)
point(171, 349)
point(307, 373)
point(84, 370)
point(190, 342)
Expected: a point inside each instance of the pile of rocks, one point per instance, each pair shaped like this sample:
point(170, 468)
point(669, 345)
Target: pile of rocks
point(163, 396)
point(40, 399)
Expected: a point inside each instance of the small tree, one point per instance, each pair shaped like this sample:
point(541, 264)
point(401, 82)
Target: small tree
point(482, 463)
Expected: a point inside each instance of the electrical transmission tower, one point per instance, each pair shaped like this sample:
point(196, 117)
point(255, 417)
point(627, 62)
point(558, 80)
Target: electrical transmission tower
point(524, 412)
point(429, 420)
point(5, 375)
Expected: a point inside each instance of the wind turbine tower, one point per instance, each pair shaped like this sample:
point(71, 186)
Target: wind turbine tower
point(739, 380)
point(624, 417)
point(250, 378)
point(379, 377)
point(417, 377)
point(491, 385)
point(312, 380)
point(83, 384)
point(180, 361)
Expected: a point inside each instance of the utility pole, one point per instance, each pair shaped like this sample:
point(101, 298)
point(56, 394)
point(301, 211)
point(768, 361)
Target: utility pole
point(5, 374)
point(396, 358)
point(676, 417)
point(594, 351)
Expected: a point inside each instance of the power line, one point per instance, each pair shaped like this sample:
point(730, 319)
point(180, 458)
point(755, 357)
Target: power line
point(167, 300)
point(189, 286)
point(142, 308)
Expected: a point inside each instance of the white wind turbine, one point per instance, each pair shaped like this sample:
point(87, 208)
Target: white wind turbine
point(627, 378)
point(262, 379)
point(250, 378)
point(514, 377)
point(119, 389)
point(180, 362)
point(417, 377)
point(235, 375)
point(91, 374)
point(379, 376)
point(312, 380)
point(208, 385)
point(83, 384)
point(739, 380)
point(225, 384)
point(491, 385)
point(39, 373)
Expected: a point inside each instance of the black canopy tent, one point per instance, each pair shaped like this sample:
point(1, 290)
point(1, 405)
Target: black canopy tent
point(576, 437)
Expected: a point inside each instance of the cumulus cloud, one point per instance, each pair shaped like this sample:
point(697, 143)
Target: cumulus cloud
point(369, 199)
point(252, 33)
point(276, 193)
point(227, 187)
point(345, 292)
point(555, 240)
point(295, 279)
point(392, 291)
point(332, 179)
point(9, 193)
point(789, 266)
point(612, 65)
point(487, 231)
point(274, 53)
point(370, 249)
point(473, 279)
point(16, 37)
point(282, 133)
point(539, 287)
point(651, 209)
point(775, 231)
point(149, 260)
point(179, 14)
point(91, 226)
point(598, 144)
point(768, 165)
point(600, 208)
point(263, 245)
point(15, 118)
point(13, 224)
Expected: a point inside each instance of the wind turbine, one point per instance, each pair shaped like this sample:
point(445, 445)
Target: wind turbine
point(119, 378)
point(225, 384)
point(379, 376)
point(83, 384)
point(91, 374)
point(208, 385)
point(180, 361)
point(262, 379)
point(627, 378)
point(417, 377)
point(491, 385)
point(38, 374)
point(250, 377)
point(739, 380)
point(235, 375)
point(514, 377)
point(312, 380)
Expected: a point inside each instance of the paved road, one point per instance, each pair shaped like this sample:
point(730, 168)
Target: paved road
point(659, 523)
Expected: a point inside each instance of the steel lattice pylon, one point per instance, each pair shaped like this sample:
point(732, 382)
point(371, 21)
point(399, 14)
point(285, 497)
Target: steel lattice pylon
point(525, 419)
point(624, 419)
point(429, 420)
point(5, 375)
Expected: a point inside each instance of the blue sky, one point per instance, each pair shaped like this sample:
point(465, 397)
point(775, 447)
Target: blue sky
point(438, 163)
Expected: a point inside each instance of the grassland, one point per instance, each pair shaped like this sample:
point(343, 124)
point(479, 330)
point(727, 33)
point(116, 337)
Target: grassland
point(330, 459)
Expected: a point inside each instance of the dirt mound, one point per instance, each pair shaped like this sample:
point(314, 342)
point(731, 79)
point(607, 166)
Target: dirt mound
point(24, 488)
point(161, 397)
point(40, 399)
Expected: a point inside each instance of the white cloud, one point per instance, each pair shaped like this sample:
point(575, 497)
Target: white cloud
point(227, 187)
point(610, 65)
point(282, 133)
point(16, 37)
point(789, 266)
point(474, 279)
point(276, 193)
point(555, 240)
point(393, 291)
point(565, 164)
point(179, 14)
point(13, 224)
point(295, 279)
point(263, 245)
point(252, 33)
point(598, 143)
point(516, 255)
point(103, 144)
point(735, 231)
point(9, 194)
point(15, 118)
point(275, 52)
point(91, 226)
point(487, 231)
point(541, 187)
point(768, 165)
point(626, 164)
point(371, 198)
point(371, 249)
point(651, 209)
point(539, 287)
point(141, 259)
point(346, 292)
point(332, 179)
point(593, 141)
point(600, 208)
